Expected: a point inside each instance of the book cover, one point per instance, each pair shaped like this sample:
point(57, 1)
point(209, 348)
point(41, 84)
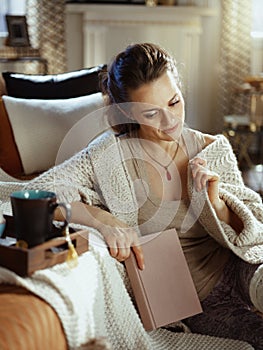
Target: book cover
point(164, 291)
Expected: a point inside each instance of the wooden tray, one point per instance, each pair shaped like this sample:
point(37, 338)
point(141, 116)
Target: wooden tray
point(26, 261)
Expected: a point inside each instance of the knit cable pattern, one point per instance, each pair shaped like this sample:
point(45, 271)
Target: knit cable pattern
point(92, 302)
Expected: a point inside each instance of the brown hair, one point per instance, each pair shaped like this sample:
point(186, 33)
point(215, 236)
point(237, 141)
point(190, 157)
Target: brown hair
point(137, 65)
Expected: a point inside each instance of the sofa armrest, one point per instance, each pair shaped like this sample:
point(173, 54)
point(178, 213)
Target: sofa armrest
point(28, 322)
point(2, 86)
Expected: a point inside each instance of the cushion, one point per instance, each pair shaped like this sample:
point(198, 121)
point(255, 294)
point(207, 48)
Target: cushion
point(65, 85)
point(28, 322)
point(39, 126)
point(10, 160)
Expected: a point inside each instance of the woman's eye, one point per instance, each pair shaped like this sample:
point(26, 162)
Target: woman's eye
point(150, 114)
point(174, 102)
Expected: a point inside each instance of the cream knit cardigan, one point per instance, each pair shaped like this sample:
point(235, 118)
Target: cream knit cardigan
point(98, 176)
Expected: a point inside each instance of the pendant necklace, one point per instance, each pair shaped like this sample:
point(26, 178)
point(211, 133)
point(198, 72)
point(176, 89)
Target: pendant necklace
point(168, 174)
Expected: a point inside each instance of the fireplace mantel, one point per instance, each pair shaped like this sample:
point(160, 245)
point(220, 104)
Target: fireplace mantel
point(108, 28)
point(139, 12)
point(98, 19)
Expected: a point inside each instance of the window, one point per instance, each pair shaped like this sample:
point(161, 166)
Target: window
point(11, 7)
point(257, 38)
point(257, 19)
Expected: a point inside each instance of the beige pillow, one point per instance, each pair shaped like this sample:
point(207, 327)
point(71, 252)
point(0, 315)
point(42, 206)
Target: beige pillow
point(10, 160)
point(39, 126)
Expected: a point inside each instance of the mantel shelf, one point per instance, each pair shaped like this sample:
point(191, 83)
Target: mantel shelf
point(142, 9)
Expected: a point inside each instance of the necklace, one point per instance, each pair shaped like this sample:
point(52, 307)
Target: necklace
point(168, 174)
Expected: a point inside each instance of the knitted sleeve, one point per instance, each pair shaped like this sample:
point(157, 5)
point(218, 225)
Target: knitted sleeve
point(73, 180)
point(246, 203)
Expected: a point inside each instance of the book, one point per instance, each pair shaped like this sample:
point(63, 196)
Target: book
point(164, 291)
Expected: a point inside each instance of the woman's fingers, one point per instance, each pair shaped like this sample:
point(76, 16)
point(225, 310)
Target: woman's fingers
point(120, 239)
point(116, 240)
point(120, 242)
point(123, 253)
point(196, 163)
point(137, 249)
point(204, 177)
point(199, 173)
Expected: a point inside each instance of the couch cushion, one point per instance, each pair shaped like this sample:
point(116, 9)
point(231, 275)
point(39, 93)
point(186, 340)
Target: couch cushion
point(39, 126)
point(65, 85)
point(10, 160)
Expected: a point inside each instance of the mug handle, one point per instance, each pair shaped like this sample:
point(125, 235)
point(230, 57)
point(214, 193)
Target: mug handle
point(67, 208)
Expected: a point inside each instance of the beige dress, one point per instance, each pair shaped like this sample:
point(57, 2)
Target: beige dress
point(205, 257)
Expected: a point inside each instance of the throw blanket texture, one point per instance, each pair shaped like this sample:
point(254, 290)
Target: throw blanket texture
point(92, 300)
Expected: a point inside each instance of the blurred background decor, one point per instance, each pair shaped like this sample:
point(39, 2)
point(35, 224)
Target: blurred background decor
point(46, 22)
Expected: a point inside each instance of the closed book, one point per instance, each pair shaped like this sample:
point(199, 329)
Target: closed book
point(164, 291)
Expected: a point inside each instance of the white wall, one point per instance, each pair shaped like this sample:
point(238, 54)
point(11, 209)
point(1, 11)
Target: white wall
point(11, 7)
point(209, 70)
point(74, 41)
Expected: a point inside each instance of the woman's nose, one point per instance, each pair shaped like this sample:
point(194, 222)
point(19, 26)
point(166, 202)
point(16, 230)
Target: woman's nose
point(168, 119)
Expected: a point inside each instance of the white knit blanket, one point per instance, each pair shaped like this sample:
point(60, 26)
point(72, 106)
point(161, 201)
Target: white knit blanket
point(93, 300)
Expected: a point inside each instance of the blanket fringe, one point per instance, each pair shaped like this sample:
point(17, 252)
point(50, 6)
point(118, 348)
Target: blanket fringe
point(96, 344)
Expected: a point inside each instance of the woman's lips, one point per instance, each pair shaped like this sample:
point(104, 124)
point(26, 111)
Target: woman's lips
point(171, 130)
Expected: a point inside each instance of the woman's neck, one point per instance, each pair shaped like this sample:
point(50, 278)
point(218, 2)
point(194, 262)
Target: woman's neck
point(168, 146)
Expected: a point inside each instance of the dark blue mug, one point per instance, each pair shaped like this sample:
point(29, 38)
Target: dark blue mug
point(33, 212)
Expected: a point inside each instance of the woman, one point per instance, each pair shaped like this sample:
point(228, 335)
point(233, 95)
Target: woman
point(154, 173)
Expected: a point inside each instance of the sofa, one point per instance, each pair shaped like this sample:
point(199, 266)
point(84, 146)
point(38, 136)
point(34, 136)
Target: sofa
point(53, 104)
point(43, 121)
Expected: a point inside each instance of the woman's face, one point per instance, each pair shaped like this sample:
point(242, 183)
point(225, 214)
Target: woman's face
point(159, 108)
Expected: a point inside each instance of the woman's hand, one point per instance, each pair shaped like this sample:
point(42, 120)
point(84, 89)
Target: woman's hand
point(203, 177)
point(119, 237)
point(120, 240)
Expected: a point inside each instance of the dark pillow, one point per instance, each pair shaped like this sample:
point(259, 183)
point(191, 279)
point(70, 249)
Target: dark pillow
point(65, 85)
